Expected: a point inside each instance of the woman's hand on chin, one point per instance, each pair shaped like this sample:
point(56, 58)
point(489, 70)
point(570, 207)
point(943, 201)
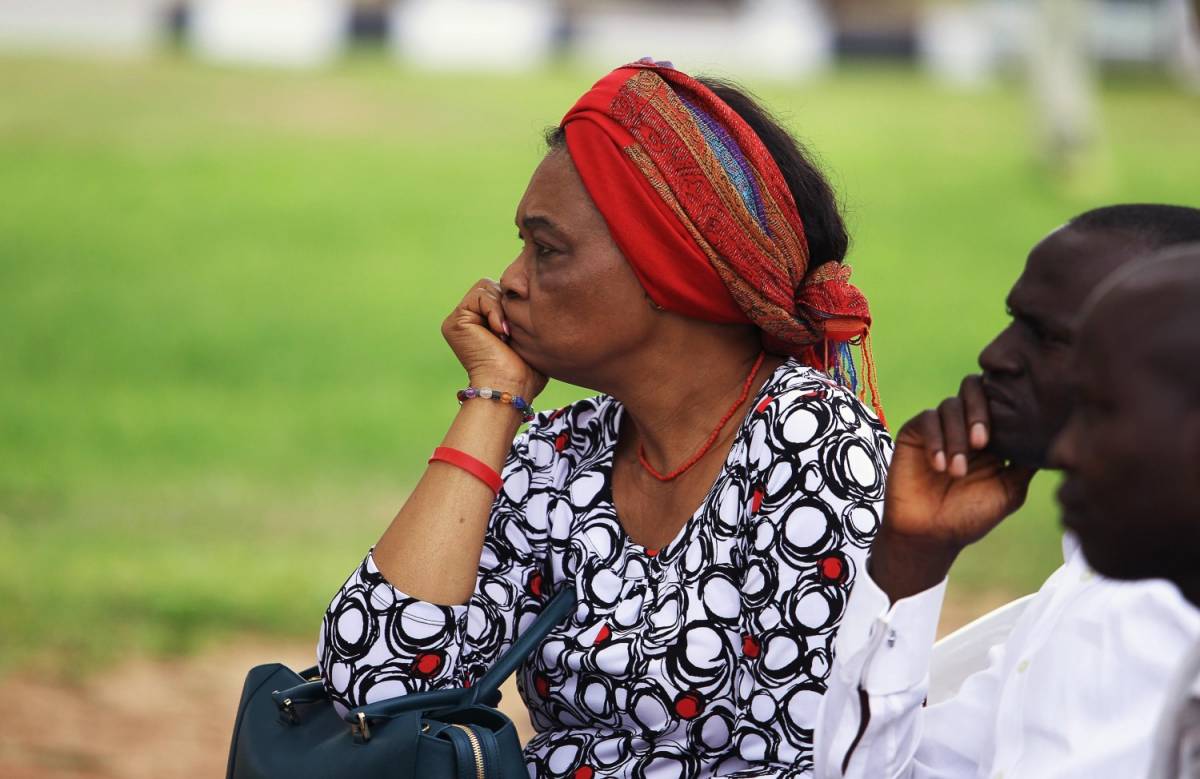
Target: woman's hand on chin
point(478, 333)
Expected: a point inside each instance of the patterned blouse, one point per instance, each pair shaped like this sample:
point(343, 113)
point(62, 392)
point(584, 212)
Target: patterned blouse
point(707, 657)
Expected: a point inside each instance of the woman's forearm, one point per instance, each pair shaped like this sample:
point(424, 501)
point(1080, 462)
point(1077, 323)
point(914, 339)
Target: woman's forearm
point(431, 549)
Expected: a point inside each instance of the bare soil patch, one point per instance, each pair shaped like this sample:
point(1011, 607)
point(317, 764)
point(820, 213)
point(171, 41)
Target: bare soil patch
point(144, 718)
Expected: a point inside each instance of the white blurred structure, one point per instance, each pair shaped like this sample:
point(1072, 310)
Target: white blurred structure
point(957, 43)
point(1011, 26)
point(1062, 75)
point(965, 43)
point(774, 38)
point(1185, 46)
point(961, 42)
point(108, 26)
point(1128, 32)
point(472, 34)
point(289, 33)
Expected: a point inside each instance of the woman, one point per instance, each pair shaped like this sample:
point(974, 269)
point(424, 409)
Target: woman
point(682, 257)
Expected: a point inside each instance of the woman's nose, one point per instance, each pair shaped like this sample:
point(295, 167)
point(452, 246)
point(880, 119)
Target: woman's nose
point(514, 282)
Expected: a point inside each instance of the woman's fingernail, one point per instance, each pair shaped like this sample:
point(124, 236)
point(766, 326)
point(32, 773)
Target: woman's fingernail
point(958, 466)
point(979, 435)
point(939, 462)
point(504, 327)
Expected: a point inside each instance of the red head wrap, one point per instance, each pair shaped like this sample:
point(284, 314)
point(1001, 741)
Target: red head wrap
point(705, 218)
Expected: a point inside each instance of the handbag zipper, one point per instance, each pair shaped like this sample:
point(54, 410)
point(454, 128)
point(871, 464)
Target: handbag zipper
point(476, 748)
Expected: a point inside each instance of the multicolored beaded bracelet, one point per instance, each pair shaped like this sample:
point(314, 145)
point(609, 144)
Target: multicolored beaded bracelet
point(516, 401)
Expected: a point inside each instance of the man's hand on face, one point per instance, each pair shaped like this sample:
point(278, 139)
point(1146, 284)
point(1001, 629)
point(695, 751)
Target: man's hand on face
point(944, 491)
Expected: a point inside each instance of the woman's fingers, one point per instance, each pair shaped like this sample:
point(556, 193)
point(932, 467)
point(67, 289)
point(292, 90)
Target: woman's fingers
point(492, 310)
point(483, 300)
point(952, 417)
point(478, 333)
point(974, 402)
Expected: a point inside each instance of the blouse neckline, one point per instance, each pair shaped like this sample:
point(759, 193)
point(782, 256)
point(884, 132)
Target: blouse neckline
point(604, 462)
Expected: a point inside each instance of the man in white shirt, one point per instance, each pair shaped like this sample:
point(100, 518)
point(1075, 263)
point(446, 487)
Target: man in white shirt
point(1131, 447)
point(1074, 689)
point(1177, 744)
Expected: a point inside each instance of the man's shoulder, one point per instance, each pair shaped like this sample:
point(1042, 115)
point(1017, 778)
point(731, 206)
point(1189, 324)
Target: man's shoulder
point(1085, 600)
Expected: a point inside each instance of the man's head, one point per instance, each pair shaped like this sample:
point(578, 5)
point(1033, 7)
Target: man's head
point(1027, 371)
point(1131, 446)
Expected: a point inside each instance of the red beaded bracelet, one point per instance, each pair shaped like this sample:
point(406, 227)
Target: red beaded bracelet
point(477, 468)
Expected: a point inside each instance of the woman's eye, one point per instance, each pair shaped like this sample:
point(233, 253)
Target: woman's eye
point(544, 251)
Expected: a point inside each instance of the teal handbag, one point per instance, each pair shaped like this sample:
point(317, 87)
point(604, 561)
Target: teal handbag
point(286, 725)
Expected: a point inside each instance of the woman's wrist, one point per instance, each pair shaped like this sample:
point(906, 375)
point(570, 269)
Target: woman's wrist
point(484, 431)
point(517, 387)
point(517, 403)
point(490, 415)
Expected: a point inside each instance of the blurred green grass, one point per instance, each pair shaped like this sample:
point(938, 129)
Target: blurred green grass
point(220, 291)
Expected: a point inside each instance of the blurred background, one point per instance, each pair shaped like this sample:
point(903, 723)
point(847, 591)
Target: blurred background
point(229, 230)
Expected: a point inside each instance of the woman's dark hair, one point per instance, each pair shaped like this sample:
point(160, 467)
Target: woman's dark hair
point(814, 196)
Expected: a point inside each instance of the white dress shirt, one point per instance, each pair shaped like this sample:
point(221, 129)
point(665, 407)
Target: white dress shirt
point(1177, 746)
point(1074, 692)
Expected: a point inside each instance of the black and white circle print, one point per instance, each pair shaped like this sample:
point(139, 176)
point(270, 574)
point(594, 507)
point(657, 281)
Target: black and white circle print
point(706, 656)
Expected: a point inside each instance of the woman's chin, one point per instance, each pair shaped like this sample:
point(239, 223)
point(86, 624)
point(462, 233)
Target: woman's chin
point(523, 351)
point(530, 356)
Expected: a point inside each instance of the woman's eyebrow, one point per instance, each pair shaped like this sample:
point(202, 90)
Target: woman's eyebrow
point(535, 221)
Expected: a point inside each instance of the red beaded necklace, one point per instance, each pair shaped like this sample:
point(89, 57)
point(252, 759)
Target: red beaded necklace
point(712, 437)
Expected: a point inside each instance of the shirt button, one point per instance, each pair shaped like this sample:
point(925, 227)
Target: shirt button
point(891, 639)
point(1022, 667)
point(998, 775)
point(1087, 575)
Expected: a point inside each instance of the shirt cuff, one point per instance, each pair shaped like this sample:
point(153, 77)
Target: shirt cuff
point(887, 646)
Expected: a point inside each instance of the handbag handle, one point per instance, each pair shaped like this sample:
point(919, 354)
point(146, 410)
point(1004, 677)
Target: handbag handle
point(389, 708)
point(486, 690)
point(559, 607)
point(309, 692)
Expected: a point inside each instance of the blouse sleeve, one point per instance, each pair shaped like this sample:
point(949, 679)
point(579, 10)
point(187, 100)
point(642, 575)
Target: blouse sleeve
point(818, 466)
point(378, 642)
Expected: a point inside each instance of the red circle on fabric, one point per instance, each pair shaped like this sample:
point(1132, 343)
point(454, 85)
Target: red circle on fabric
point(689, 705)
point(427, 663)
point(833, 569)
